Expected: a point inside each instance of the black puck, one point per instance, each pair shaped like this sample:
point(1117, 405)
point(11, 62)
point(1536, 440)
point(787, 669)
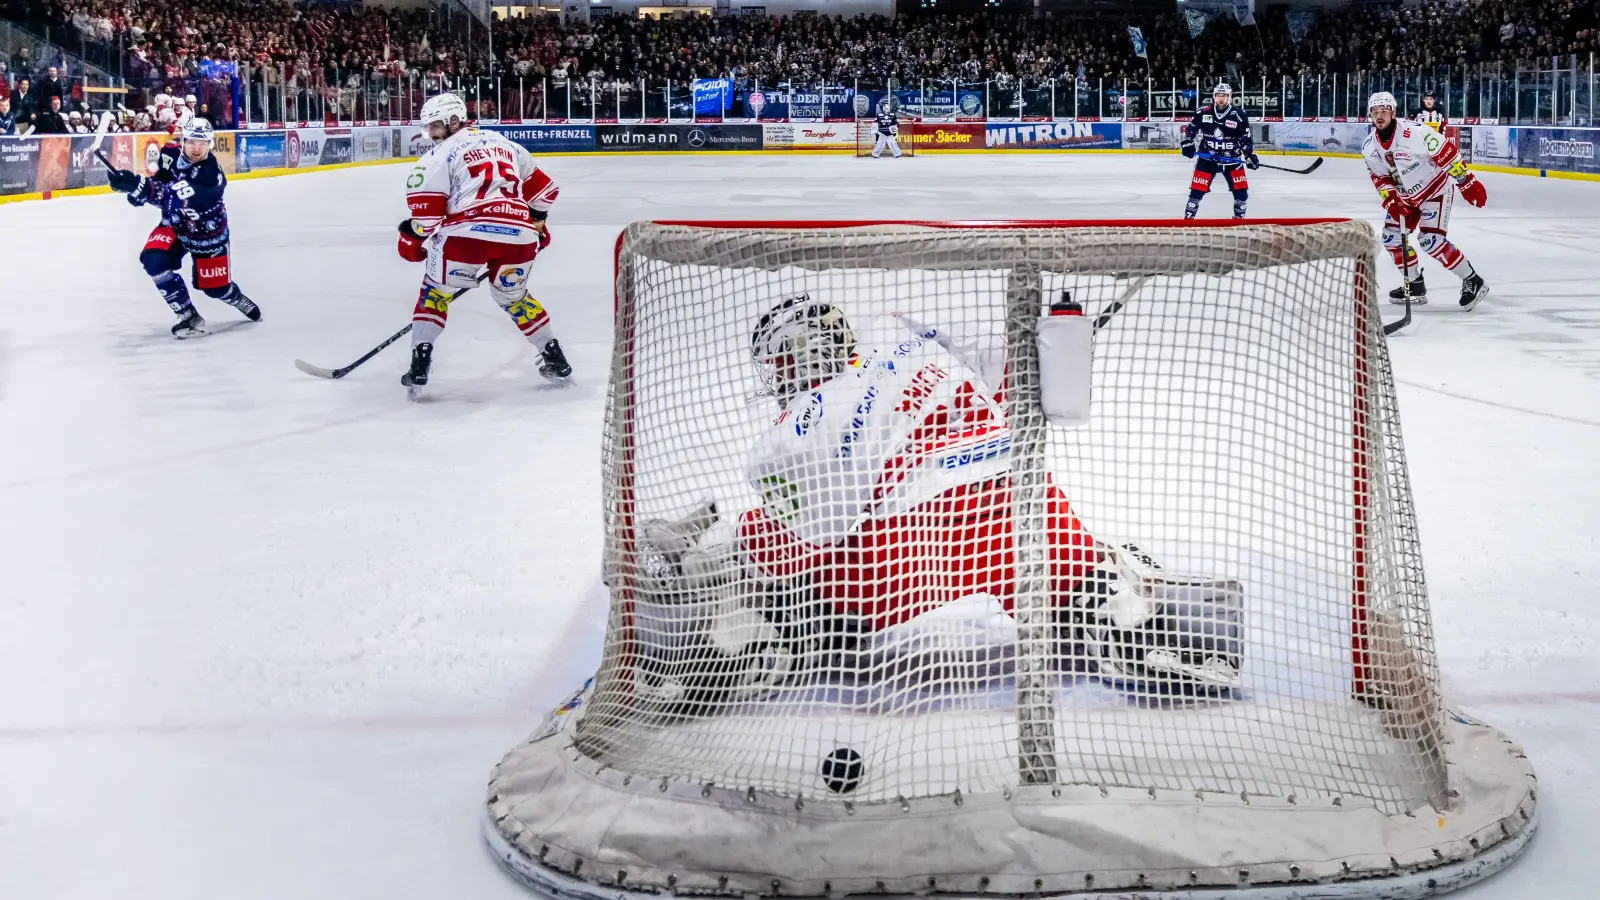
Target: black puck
point(841, 770)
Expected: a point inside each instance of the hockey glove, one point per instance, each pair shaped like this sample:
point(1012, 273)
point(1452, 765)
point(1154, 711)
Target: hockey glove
point(1402, 212)
point(122, 181)
point(410, 248)
point(544, 236)
point(1251, 161)
point(1187, 148)
point(1472, 190)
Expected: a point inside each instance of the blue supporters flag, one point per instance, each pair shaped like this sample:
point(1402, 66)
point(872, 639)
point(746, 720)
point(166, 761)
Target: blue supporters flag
point(1244, 12)
point(1140, 49)
point(1300, 21)
point(1197, 19)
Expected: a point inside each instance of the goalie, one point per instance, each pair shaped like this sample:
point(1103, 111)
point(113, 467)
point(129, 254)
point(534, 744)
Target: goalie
point(886, 491)
point(886, 131)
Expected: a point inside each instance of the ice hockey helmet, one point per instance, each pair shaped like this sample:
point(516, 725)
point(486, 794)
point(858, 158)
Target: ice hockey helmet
point(442, 109)
point(1381, 100)
point(198, 129)
point(1222, 88)
point(163, 100)
point(190, 99)
point(799, 344)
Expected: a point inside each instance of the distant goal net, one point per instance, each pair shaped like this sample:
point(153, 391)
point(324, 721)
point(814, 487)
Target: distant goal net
point(879, 625)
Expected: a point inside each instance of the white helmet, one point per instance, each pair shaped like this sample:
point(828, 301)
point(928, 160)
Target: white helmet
point(190, 99)
point(799, 344)
point(165, 116)
point(198, 129)
point(163, 99)
point(1382, 99)
point(442, 109)
point(178, 101)
point(1222, 88)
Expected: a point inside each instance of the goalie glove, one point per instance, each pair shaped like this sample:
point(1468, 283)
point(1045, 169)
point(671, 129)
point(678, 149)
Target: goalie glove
point(1150, 631)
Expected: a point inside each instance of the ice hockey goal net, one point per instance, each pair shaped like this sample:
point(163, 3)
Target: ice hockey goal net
point(851, 680)
point(867, 138)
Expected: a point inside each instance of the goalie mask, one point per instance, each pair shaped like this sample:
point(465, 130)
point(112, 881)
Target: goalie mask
point(799, 344)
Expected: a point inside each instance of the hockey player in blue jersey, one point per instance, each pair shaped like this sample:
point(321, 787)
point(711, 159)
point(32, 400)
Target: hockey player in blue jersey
point(187, 188)
point(1218, 140)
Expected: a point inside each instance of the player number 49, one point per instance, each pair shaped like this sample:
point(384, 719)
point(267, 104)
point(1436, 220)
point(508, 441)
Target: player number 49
point(507, 175)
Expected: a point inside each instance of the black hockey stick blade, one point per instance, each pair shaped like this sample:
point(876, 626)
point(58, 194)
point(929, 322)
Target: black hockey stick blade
point(320, 372)
point(1403, 321)
point(1306, 171)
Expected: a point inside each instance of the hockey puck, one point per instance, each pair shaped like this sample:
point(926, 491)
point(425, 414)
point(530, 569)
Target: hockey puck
point(841, 770)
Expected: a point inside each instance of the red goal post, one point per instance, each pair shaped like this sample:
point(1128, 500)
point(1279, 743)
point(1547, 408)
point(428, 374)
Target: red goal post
point(1244, 428)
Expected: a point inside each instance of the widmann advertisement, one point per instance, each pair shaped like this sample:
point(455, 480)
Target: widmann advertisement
point(692, 138)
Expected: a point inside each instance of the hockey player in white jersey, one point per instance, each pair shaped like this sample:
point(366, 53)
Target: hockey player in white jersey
point(478, 204)
point(886, 494)
point(1417, 171)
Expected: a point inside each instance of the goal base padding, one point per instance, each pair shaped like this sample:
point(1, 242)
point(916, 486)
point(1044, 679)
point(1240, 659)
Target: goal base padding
point(572, 829)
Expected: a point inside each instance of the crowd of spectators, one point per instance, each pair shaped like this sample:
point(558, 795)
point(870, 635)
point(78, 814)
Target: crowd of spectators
point(163, 43)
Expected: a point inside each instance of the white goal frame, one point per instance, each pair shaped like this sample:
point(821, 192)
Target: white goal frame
point(570, 825)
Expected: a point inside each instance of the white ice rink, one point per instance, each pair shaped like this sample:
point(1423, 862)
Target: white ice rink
point(264, 635)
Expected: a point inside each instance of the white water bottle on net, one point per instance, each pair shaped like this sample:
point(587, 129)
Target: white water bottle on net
point(878, 627)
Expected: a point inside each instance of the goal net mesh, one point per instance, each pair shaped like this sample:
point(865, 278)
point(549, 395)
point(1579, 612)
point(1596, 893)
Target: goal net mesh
point(1236, 390)
point(849, 603)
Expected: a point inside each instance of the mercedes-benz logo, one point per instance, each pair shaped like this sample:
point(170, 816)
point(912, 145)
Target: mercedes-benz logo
point(696, 138)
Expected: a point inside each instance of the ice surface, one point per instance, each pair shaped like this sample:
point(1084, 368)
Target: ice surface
point(263, 635)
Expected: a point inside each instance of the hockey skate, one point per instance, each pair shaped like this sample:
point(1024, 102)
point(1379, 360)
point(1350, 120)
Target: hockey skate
point(552, 362)
point(244, 305)
point(417, 378)
point(1473, 290)
point(1419, 292)
point(190, 325)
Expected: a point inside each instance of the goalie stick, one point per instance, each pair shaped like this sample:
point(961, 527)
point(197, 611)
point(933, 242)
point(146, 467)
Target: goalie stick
point(342, 371)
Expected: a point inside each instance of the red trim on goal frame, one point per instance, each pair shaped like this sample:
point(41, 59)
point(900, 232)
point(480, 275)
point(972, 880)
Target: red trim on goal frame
point(985, 223)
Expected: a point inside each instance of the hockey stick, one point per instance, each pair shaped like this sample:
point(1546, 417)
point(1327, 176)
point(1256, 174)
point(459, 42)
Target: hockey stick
point(1116, 305)
point(320, 372)
point(1306, 171)
point(1405, 256)
point(100, 134)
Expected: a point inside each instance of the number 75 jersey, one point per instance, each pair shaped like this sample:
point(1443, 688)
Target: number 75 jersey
point(479, 184)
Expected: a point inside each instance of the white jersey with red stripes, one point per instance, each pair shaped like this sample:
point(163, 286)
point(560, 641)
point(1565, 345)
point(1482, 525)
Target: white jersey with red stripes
point(1424, 159)
point(914, 414)
point(478, 184)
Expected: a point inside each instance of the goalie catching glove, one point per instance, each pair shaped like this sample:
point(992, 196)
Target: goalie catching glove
point(1150, 631)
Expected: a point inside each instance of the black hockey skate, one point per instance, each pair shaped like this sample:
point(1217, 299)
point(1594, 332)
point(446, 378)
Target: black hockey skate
point(191, 325)
point(552, 362)
point(1419, 292)
point(1473, 290)
point(244, 305)
point(417, 378)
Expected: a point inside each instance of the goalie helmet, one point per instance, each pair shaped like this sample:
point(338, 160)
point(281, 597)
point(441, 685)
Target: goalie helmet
point(799, 344)
point(1382, 100)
